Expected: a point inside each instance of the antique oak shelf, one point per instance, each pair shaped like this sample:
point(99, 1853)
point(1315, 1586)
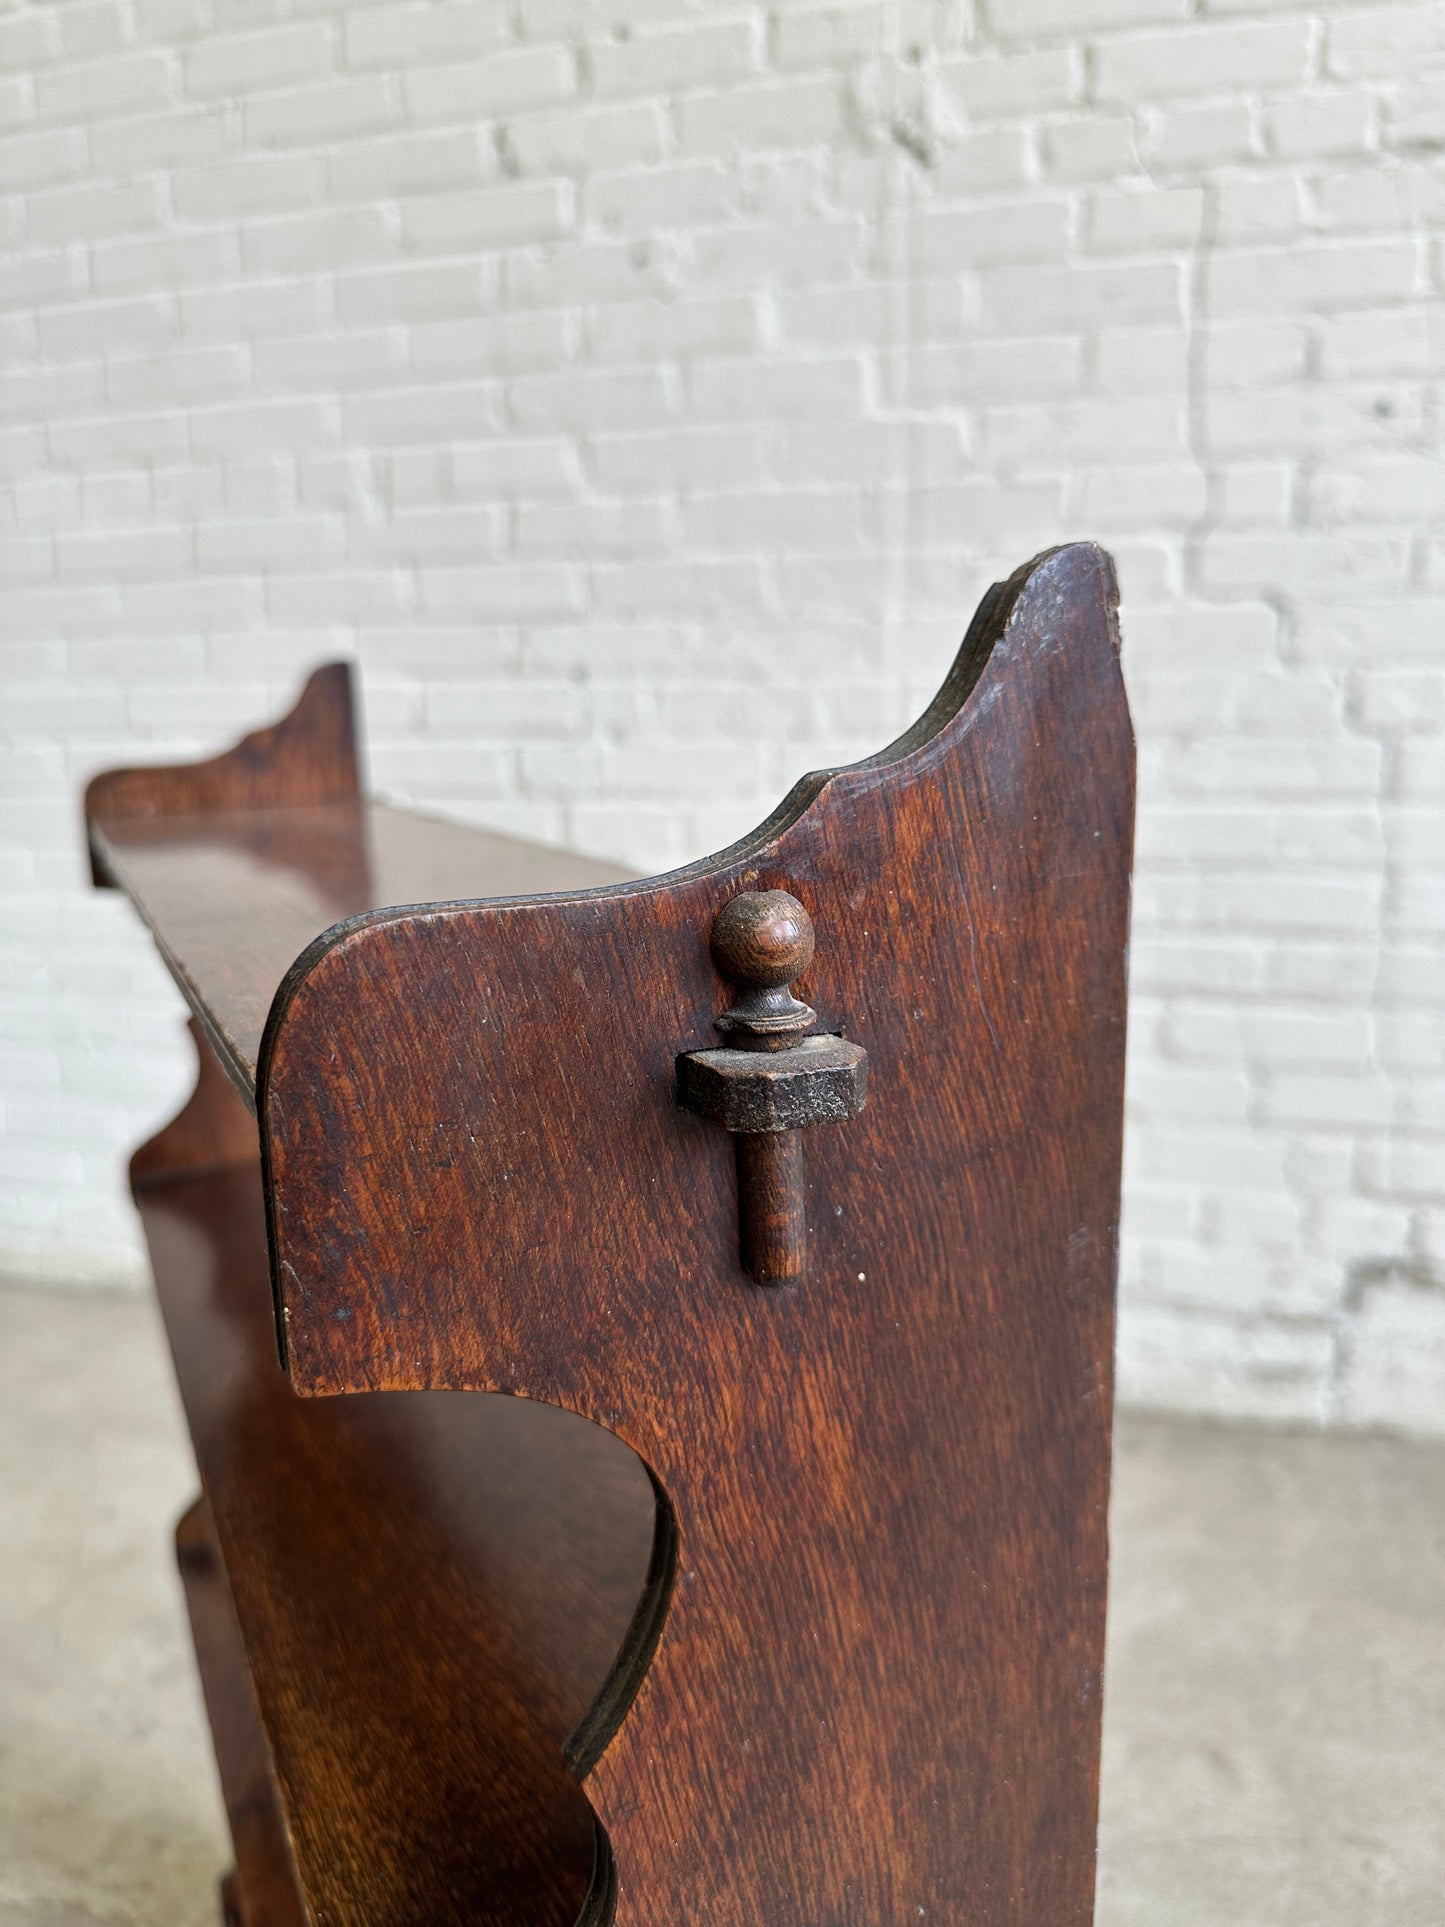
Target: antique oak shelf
point(773, 1596)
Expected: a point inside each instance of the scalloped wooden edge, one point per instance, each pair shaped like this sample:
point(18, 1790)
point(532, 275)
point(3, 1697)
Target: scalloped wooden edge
point(929, 735)
point(310, 756)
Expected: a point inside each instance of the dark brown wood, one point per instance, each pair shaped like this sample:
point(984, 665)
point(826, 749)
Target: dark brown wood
point(772, 1209)
point(263, 1890)
point(762, 941)
point(819, 1080)
point(773, 1081)
point(310, 756)
point(232, 897)
point(876, 1694)
point(430, 1593)
point(209, 1132)
point(859, 1680)
point(768, 1097)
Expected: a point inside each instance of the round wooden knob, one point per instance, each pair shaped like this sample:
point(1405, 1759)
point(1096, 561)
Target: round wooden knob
point(762, 940)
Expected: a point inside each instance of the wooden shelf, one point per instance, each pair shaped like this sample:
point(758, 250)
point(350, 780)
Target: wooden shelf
point(712, 1524)
point(429, 1589)
point(265, 1873)
point(238, 863)
point(233, 897)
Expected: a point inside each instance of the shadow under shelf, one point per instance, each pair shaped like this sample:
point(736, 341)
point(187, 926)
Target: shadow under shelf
point(429, 1590)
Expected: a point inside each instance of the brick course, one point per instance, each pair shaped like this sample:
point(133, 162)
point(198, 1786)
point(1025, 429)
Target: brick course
point(643, 393)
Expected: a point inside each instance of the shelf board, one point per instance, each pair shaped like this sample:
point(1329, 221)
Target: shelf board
point(233, 896)
point(262, 1891)
point(430, 1590)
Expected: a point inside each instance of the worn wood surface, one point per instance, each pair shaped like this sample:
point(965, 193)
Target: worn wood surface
point(840, 1664)
point(233, 897)
point(262, 1891)
point(430, 1593)
point(876, 1693)
point(770, 1081)
point(310, 756)
point(772, 1206)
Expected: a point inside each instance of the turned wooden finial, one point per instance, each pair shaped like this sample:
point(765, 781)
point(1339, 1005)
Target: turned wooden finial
point(762, 942)
point(773, 1080)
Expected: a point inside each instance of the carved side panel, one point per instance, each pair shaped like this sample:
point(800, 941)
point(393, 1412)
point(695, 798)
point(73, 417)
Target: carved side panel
point(876, 1695)
point(310, 756)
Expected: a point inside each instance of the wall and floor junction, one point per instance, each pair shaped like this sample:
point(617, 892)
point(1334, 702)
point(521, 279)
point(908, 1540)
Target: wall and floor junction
point(643, 394)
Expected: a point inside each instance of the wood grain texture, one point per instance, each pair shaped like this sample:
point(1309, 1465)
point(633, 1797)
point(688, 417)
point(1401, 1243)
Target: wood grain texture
point(876, 1694)
point(772, 1206)
point(232, 897)
point(762, 941)
point(263, 1890)
point(430, 1593)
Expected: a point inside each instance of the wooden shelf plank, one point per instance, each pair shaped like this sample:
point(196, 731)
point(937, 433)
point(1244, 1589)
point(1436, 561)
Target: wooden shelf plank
point(262, 1892)
point(233, 896)
point(430, 1590)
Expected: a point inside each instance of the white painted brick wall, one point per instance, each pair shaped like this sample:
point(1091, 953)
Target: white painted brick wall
point(643, 393)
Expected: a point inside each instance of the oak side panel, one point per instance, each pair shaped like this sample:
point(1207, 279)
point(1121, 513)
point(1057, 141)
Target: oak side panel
point(876, 1694)
point(309, 756)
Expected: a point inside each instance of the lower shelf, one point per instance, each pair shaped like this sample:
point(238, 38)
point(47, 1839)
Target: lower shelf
point(431, 1591)
point(262, 1892)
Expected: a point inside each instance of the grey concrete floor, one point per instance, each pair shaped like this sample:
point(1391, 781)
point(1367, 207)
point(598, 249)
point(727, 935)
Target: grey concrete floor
point(1275, 1700)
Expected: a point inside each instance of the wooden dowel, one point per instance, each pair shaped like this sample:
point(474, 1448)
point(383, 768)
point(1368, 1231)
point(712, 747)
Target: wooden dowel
point(774, 1230)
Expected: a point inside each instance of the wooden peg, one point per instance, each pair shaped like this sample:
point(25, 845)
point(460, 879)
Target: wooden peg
point(761, 942)
point(773, 1080)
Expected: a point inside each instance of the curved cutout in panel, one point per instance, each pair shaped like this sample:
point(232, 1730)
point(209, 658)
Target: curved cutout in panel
point(431, 1590)
point(879, 1686)
point(607, 1712)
